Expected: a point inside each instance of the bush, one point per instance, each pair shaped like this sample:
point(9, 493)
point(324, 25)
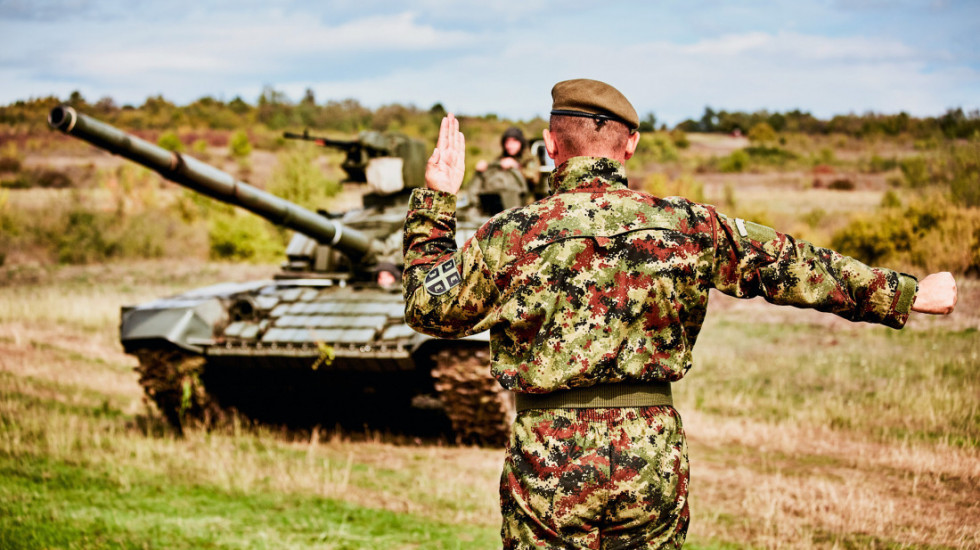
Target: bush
point(770, 155)
point(171, 142)
point(762, 133)
point(916, 171)
point(965, 174)
point(877, 164)
point(680, 138)
point(238, 235)
point(296, 178)
point(239, 145)
point(891, 200)
point(655, 148)
point(84, 235)
point(931, 234)
point(737, 161)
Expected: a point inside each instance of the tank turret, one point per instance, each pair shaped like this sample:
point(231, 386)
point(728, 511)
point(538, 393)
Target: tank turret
point(317, 345)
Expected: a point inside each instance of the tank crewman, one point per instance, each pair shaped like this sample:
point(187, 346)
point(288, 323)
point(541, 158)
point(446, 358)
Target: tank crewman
point(594, 298)
point(523, 171)
point(515, 156)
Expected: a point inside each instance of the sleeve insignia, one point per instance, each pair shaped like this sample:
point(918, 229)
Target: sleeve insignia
point(740, 225)
point(442, 278)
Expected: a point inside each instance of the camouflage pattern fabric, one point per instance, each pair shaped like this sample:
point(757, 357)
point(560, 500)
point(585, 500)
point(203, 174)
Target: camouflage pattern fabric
point(595, 478)
point(601, 284)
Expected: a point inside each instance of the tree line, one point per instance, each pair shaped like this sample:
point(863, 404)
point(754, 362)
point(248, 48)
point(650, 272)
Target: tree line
point(954, 123)
point(274, 110)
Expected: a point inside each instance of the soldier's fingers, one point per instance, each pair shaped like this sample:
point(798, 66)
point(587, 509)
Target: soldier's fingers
point(443, 133)
point(460, 147)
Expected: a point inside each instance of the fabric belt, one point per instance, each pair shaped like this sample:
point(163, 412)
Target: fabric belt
point(647, 394)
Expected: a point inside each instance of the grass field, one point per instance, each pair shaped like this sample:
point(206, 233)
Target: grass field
point(806, 432)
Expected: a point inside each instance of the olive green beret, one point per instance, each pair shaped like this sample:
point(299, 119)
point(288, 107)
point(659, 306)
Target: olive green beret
point(593, 99)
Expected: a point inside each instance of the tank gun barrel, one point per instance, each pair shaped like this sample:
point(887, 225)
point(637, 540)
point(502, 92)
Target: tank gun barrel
point(210, 181)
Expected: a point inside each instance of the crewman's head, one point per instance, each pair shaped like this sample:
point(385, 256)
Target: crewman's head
point(591, 118)
point(513, 142)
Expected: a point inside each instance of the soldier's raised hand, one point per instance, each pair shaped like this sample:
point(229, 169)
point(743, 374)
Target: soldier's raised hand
point(444, 171)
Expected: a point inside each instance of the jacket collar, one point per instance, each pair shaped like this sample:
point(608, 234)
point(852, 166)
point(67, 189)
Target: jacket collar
point(588, 174)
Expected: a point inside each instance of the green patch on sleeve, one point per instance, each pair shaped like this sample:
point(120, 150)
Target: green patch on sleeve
point(907, 289)
point(754, 231)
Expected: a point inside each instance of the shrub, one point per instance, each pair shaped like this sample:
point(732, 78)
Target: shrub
point(762, 133)
point(656, 147)
point(239, 145)
point(916, 171)
point(680, 138)
point(737, 161)
point(931, 234)
point(238, 235)
point(770, 155)
point(877, 164)
point(171, 142)
point(296, 178)
point(891, 200)
point(965, 174)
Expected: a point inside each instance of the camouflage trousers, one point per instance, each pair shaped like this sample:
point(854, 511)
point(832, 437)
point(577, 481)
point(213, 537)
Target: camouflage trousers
point(595, 478)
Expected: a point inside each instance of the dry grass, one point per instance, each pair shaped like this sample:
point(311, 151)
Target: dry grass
point(72, 397)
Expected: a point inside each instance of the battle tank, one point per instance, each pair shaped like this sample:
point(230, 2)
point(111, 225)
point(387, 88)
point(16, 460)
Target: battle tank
point(321, 344)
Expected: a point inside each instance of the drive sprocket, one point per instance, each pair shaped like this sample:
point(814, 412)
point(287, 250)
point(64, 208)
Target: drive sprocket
point(172, 379)
point(480, 410)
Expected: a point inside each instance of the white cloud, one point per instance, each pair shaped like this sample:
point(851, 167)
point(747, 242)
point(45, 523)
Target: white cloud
point(378, 53)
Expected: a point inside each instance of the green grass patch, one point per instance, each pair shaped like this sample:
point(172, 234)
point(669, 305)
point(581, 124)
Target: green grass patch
point(58, 504)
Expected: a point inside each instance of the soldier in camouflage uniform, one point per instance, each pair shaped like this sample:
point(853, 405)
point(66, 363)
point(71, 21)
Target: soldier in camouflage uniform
point(594, 298)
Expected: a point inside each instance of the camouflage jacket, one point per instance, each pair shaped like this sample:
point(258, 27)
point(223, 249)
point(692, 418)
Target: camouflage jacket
point(598, 283)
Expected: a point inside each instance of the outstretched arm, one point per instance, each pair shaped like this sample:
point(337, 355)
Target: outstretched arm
point(937, 294)
point(444, 171)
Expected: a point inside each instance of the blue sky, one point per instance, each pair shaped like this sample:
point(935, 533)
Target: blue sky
point(671, 58)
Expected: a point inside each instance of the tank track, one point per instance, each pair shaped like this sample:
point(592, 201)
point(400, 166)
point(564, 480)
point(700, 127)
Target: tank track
point(172, 379)
point(480, 410)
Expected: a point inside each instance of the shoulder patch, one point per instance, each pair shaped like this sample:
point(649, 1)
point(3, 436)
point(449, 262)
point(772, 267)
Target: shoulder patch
point(442, 278)
point(754, 231)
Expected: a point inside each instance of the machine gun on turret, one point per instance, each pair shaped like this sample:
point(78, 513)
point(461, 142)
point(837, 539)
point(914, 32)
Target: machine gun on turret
point(387, 161)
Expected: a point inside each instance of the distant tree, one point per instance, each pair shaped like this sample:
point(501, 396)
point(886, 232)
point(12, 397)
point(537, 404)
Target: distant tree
point(649, 123)
point(239, 106)
point(106, 105)
point(437, 110)
point(309, 98)
point(75, 99)
point(762, 133)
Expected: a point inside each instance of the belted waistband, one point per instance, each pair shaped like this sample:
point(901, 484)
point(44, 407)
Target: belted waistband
point(646, 394)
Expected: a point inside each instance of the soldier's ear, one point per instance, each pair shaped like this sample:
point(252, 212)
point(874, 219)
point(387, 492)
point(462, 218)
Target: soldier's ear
point(550, 144)
point(631, 144)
